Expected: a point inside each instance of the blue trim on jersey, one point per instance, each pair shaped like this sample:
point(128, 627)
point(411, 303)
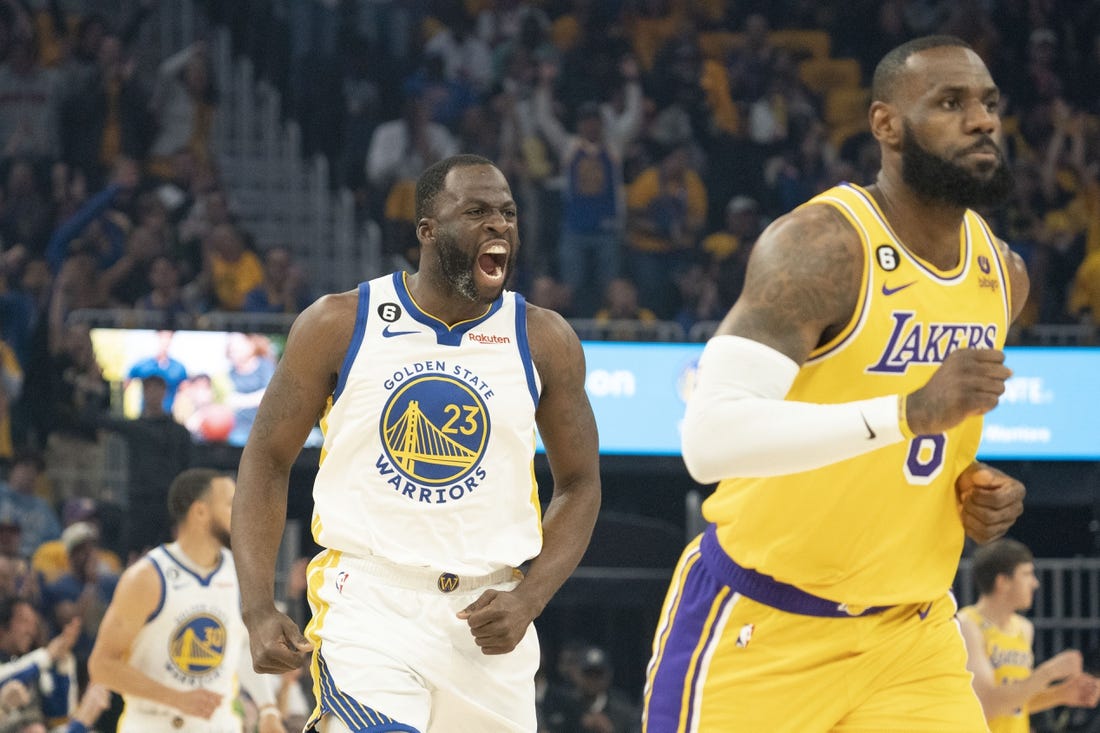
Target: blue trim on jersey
point(444, 335)
point(163, 590)
point(525, 348)
point(356, 339)
point(357, 717)
point(203, 581)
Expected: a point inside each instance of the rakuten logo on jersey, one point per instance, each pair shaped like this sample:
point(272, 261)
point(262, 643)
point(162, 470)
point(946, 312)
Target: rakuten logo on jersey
point(483, 338)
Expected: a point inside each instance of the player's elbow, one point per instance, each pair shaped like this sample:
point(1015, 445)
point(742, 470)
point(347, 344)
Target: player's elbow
point(709, 454)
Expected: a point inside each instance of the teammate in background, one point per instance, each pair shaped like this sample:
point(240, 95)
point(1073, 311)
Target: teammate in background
point(840, 405)
point(998, 645)
point(432, 386)
point(172, 642)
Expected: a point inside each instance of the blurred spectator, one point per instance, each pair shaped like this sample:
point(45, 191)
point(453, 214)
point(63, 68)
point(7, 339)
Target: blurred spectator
point(46, 671)
point(184, 103)
point(31, 99)
point(165, 296)
point(727, 250)
point(1084, 297)
point(621, 313)
point(464, 54)
point(128, 279)
point(698, 292)
point(11, 385)
point(158, 448)
point(230, 270)
point(51, 560)
point(18, 502)
point(667, 209)
point(593, 705)
point(105, 114)
point(283, 289)
point(101, 224)
point(26, 214)
point(546, 292)
point(18, 579)
point(591, 161)
point(75, 457)
point(399, 150)
point(83, 591)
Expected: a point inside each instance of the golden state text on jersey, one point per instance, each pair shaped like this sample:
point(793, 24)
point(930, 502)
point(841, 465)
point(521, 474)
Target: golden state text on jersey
point(434, 431)
point(881, 528)
point(431, 426)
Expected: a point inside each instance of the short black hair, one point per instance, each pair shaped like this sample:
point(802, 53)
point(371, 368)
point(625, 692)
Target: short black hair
point(892, 66)
point(998, 558)
point(434, 177)
point(187, 488)
point(7, 609)
point(154, 379)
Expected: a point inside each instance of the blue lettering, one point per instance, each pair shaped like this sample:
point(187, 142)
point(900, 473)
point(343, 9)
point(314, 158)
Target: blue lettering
point(480, 473)
point(383, 466)
point(912, 342)
point(425, 495)
point(441, 494)
point(396, 481)
point(459, 489)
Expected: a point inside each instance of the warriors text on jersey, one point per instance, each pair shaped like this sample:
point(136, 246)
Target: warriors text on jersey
point(1010, 654)
point(194, 639)
point(430, 437)
point(882, 528)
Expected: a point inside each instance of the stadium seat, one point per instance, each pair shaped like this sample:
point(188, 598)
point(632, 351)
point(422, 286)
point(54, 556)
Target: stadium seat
point(814, 44)
point(822, 75)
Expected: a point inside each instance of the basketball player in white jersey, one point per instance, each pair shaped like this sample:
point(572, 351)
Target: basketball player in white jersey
point(172, 642)
point(432, 386)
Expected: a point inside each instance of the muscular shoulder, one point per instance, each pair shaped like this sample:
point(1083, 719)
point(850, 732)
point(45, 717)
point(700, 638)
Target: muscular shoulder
point(324, 329)
point(802, 282)
point(553, 341)
point(140, 585)
point(1017, 276)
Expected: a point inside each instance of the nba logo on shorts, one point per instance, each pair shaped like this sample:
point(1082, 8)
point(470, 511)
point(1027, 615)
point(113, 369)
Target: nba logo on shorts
point(341, 578)
point(745, 636)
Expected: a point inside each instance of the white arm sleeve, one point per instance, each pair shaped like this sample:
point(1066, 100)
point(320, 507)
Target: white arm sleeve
point(738, 424)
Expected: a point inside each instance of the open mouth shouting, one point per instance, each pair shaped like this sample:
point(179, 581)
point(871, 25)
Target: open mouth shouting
point(492, 263)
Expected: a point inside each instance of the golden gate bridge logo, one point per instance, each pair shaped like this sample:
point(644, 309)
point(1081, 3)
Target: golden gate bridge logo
point(197, 646)
point(434, 429)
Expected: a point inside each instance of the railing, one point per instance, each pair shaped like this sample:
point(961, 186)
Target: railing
point(1066, 612)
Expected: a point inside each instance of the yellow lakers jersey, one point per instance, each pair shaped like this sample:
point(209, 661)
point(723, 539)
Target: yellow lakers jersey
point(1010, 654)
point(881, 528)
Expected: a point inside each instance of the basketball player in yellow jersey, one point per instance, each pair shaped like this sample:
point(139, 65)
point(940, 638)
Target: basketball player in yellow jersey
point(840, 405)
point(998, 645)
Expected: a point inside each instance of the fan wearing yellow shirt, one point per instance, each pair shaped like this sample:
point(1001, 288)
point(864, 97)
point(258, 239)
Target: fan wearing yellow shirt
point(998, 645)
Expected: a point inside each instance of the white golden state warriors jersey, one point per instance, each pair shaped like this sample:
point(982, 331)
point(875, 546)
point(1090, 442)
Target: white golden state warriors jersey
point(430, 438)
point(193, 640)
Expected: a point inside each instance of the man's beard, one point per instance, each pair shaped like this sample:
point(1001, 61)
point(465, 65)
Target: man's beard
point(221, 534)
point(936, 179)
point(458, 267)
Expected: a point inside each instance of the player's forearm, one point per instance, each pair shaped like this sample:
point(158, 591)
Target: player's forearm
point(259, 512)
point(566, 530)
point(1051, 697)
point(117, 675)
point(1006, 699)
point(738, 423)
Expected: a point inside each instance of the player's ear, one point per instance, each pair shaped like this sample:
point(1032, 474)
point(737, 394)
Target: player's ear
point(886, 124)
point(425, 229)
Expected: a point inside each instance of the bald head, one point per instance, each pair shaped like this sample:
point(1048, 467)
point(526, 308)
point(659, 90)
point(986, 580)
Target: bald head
point(892, 70)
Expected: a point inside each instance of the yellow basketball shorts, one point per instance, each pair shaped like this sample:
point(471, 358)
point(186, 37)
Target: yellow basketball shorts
point(390, 654)
point(723, 661)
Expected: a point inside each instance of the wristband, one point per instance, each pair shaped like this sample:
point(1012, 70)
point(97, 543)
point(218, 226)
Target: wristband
point(903, 417)
point(270, 710)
